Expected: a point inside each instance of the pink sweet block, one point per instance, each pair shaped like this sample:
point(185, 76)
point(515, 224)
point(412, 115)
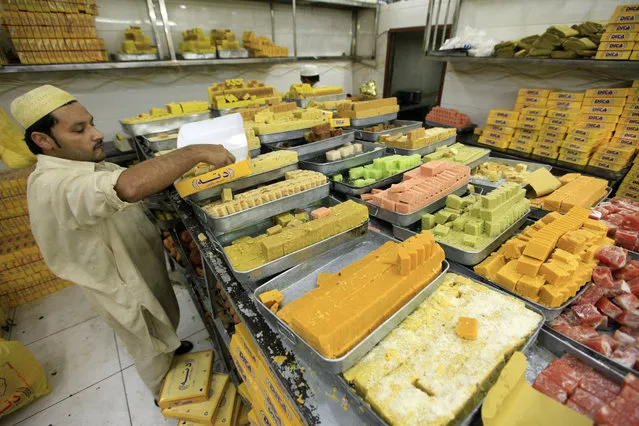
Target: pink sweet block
point(367, 197)
point(321, 212)
point(388, 204)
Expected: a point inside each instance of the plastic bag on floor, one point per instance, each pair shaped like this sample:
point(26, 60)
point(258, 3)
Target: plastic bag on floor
point(22, 378)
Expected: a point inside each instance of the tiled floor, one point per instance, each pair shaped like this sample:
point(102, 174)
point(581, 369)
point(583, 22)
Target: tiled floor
point(91, 376)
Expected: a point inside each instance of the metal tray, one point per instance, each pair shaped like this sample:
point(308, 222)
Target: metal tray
point(456, 254)
point(163, 145)
point(189, 56)
point(244, 183)
point(469, 419)
point(549, 346)
point(252, 278)
point(549, 313)
point(129, 57)
point(307, 150)
point(303, 103)
point(273, 138)
point(348, 189)
point(297, 281)
point(537, 213)
point(365, 122)
point(531, 167)
point(471, 128)
point(252, 215)
point(232, 54)
point(425, 150)
point(255, 152)
point(404, 126)
point(407, 219)
point(163, 125)
point(370, 151)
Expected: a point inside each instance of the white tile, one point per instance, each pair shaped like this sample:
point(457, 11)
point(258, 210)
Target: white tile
point(201, 341)
point(73, 359)
point(103, 404)
point(143, 409)
point(125, 359)
point(43, 317)
point(190, 321)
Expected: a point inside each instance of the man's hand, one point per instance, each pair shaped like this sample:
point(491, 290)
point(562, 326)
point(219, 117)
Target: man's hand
point(215, 155)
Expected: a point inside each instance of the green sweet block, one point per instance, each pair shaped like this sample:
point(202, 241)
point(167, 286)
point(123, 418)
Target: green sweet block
point(441, 230)
point(473, 227)
point(359, 182)
point(428, 222)
point(302, 217)
point(369, 181)
point(356, 173)
point(454, 202)
point(475, 211)
point(459, 223)
point(283, 219)
point(442, 216)
point(338, 178)
point(470, 240)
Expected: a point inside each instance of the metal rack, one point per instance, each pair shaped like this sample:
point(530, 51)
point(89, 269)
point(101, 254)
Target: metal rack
point(161, 32)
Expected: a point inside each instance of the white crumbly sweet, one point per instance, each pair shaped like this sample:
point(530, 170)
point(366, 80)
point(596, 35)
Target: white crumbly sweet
point(422, 373)
point(358, 148)
point(333, 155)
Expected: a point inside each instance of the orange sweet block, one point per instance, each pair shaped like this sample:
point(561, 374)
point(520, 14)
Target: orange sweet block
point(321, 212)
point(421, 186)
point(576, 190)
point(467, 328)
point(347, 305)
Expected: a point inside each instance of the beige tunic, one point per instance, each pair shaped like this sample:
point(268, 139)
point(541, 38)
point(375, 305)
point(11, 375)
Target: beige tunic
point(110, 249)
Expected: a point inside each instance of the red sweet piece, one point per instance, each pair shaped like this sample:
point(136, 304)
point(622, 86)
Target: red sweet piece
point(563, 375)
point(567, 317)
point(629, 318)
point(619, 412)
point(578, 408)
point(588, 401)
point(634, 286)
point(578, 333)
point(597, 385)
point(544, 384)
point(612, 228)
point(632, 381)
point(618, 287)
point(603, 344)
point(621, 357)
point(616, 219)
point(592, 294)
point(574, 363)
point(628, 272)
point(630, 394)
point(615, 257)
point(627, 301)
point(608, 308)
point(634, 332)
point(587, 314)
point(624, 339)
point(630, 222)
point(602, 276)
point(609, 416)
point(626, 238)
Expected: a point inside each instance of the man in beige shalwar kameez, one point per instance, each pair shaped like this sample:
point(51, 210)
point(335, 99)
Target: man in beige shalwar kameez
point(90, 230)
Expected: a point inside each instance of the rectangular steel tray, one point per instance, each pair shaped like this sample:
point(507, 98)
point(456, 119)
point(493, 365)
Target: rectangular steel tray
point(459, 129)
point(190, 56)
point(256, 214)
point(307, 150)
point(128, 57)
point(244, 183)
point(549, 313)
point(409, 218)
point(469, 419)
point(550, 346)
point(163, 125)
point(297, 281)
point(232, 54)
point(370, 151)
point(456, 254)
point(253, 278)
point(531, 167)
point(303, 103)
point(478, 161)
point(365, 122)
point(404, 126)
point(425, 150)
point(348, 189)
point(155, 146)
point(290, 135)
point(255, 152)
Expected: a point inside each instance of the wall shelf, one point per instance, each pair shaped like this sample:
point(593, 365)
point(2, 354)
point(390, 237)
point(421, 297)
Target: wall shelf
point(101, 66)
point(510, 61)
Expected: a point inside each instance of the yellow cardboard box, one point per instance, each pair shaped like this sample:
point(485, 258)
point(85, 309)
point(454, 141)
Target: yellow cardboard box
point(622, 28)
point(563, 114)
point(613, 55)
point(601, 110)
point(606, 127)
point(227, 174)
point(617, 45)
point(598, 118)
point(565, 104)
point(537, 112)
point(501, 122)
point(566, 96)
point(500, 129)
point(497, 143)
point(607, 101)
point(503, 114)
point(542, 93)
point(619, 36)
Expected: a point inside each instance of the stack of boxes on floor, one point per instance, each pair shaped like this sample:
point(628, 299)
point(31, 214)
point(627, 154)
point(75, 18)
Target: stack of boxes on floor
point(194, 395)
point(598, 128)
point(269, 403)
point(620, 41)
point(24, 276)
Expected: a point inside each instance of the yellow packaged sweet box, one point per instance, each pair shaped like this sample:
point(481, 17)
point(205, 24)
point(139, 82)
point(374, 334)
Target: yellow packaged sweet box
point(202, 412)
point(188, 380)
point(189, 186)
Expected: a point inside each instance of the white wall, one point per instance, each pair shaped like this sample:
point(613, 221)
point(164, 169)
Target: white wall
point(475, 89)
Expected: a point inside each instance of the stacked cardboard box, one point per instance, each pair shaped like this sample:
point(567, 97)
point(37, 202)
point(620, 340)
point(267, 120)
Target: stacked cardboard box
point(620, 41)
point(629, 187)
point(268, 400)
point(23, 274)
point(45, 32)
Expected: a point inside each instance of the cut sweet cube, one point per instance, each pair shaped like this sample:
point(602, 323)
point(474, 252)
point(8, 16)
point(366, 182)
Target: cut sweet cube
point(588, 314)
point(602, 276)
point(627, 301)
point(615, 257)
point(629, 272)
point(603, 344)
point(546, 385)
point(608, 308)
point(590, 296)
point(629, 318)
point(585, 399)
point(564, 375)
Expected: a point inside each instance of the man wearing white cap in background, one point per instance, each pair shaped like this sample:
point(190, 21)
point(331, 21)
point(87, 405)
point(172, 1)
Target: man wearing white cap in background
point(90, 231)
point(310, 75)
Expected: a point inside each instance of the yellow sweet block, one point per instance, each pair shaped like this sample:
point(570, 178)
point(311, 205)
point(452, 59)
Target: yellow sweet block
point(180, 388)
point(554, 273)
point(272, 160)
point(513, 249)
point(337, 315)
point(551, 296)
point(543, 182)
point(467, 328)
point(528, 265)
point(271, 297)
point(529, 286)
point(489, 267)
point(508, 276)
point(303, 91)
